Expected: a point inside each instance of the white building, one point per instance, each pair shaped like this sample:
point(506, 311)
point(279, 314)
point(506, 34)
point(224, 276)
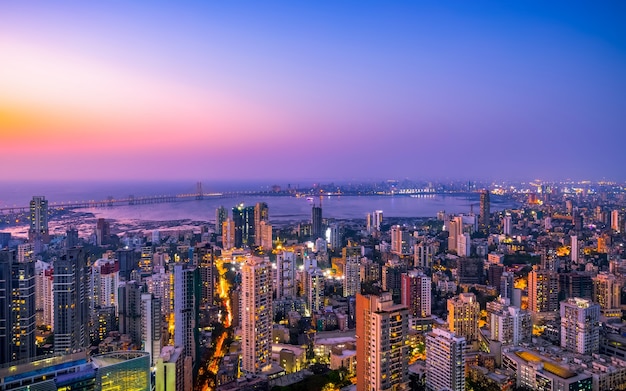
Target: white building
point(580, 330)
point(445, 361)
point(256, 315)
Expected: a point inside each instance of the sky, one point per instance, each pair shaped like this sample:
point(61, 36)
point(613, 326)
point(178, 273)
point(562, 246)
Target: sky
point(292, 90)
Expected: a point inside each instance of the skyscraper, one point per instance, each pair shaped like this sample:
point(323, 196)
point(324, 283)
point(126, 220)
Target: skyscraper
point(264, 236)
point(506, 224)
point(71, 301)
point(243, 218)
point(543, 291)
point(185, 311)
point(129, 299)
point(574, 248)
point(607, 291)
point(39, 220)
point(151, 326)
point(580, 330)
point(416, 293)
point(256, 316)
point(445, 361)
point(352, 280)
point(455, 228)
point(17, 308)
point(261, 214)
point(381, 331)
point(510, 325)
point(314, 283)
point(228, 234)
point(485, 211)
point(423, 254)
point(463, 315)
point(615, 221)
point(206, 268)
point(105, 280)
point(464, 245)
point(221, 214)
point(285, 275)
point(316, 222)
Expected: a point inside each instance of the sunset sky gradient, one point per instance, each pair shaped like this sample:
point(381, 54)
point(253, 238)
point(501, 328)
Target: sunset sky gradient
point(321, 90)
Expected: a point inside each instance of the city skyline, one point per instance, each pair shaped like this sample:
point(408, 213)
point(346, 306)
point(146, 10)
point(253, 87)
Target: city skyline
point(350, 90)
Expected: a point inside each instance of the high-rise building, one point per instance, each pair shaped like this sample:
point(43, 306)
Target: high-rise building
point(129, 299)
point(607, 290)
point(575, 284)
point(206, 268)
point(506, 224)
point(170, 370)
point(316, 222)
point(507, 284)
point(151, 326)
point(103, 232)
point(44, 300)
point(261, 214)
point(314, 283)
point(145, 262)
point(416, 293)
point(615, 221)
point(485, 211)
point(374, 221)
point(543, 291)
point(463, 315)
point(423, 254)
point(185, 310)
point(455, 228)
point(221, 215)
point(256, 315)
point(351, 278)
point(400, 240)
point(333, 236)
point(494, 272)
point(445, 361)
point(580, 330)
point(377, 219)
point(285, 275)
point(574, 252)
point(71, 301)
point(159, 284)
point(128, 261)
point(470, 270)
point(105, 279)
point(392, 278)
point(264, 236)
point(370, 271)
point(17, 308)
point(243, 218)
point(39, 220)
point(71, 238)
point(510, 325)
point(464, 245)
point(228, 234)
point(381, 332)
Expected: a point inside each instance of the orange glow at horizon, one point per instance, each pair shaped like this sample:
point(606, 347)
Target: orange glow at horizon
point(51, 100)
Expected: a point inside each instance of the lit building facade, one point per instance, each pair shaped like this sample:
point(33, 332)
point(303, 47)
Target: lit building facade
point(416, 293)
point(381, 332)
point(445, 361)
point(580, 330)
point(256, 315)
point(463, 315)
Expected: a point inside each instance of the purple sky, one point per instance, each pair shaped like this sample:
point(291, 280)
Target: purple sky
point(312, 90)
